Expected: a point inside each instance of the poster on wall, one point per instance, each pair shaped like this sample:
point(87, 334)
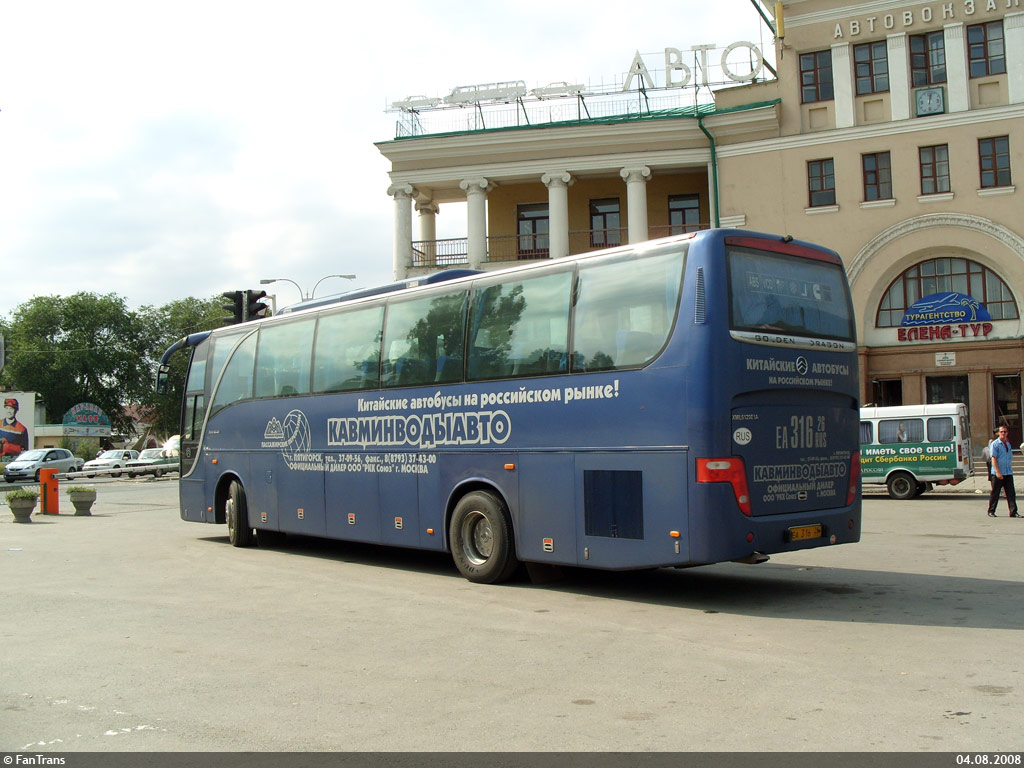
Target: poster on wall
point(18, 425)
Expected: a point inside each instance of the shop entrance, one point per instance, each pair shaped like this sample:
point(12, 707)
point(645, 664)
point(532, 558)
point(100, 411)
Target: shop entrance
point(886, 392)
point(1006, 397)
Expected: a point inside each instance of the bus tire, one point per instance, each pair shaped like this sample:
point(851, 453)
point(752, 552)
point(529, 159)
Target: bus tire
point(236, 511)
point(481, 538)
point(901, 485)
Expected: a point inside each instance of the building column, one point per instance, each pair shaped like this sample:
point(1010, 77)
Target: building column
point(558, 183)
point(402, 257)
point(476, 225)
point(1013, 32)
point(958, 94)
point(636, 202)
point(842, 85)
point(899, 75)
point(428, 210)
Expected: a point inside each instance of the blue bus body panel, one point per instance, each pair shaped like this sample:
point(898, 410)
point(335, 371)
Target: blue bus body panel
point(597, 469)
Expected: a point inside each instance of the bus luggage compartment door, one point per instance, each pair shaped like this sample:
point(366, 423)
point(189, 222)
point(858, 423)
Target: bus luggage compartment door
point(546, 525)
point(631, 508)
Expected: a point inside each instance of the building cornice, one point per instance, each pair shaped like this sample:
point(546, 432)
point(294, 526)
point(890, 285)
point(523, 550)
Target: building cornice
point(577, 140)
point(846, 11)
point(534, 170)
point(874, 131)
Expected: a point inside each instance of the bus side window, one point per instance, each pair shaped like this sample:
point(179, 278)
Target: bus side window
point(520, 328)
point(283, 358)
point(347, 352)
point(424, 339)
point(625, 311)
point(866, 436)
point(940, 430)
point(236, 382)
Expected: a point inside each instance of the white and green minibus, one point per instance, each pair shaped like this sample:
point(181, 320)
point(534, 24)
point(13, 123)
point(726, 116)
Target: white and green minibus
point(909, 448)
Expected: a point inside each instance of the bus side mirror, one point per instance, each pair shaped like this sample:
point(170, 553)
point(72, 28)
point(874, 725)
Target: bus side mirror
point(161, 379)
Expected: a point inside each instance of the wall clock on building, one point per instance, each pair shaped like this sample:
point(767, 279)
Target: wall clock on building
point(930, 101)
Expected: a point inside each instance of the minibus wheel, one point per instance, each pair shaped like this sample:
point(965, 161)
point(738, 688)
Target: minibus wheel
point(481, 538)
point(236, 511)
point(901, 485)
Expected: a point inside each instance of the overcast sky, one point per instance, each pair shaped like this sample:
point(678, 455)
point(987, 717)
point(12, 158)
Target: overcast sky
point(163, 150)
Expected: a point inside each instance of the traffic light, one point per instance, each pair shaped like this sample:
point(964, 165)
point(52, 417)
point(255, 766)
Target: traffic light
point(236, 307)
point(254, 308)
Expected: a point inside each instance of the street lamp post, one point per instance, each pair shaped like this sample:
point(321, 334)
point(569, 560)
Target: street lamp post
point(313, 292)
point(303, 296)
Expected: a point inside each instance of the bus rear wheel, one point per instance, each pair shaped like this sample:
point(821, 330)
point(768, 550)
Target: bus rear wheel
point(236, 510)
point(481, 538)
point(901, 486)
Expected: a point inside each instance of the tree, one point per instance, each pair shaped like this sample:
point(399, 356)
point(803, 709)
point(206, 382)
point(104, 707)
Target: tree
point(92, 348)
point(168, 324)
point(82, 348)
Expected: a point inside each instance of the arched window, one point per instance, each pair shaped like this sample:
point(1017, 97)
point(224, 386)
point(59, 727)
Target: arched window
point(946, 274)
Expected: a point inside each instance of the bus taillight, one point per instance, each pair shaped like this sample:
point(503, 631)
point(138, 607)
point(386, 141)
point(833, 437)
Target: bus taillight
point(851, 493)
point(732, 471)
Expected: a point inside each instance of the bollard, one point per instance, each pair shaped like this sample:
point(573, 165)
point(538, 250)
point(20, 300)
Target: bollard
point(48, 492)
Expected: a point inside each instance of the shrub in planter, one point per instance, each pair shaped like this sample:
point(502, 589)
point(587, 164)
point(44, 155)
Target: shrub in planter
point(22, 501)
point(82, 499)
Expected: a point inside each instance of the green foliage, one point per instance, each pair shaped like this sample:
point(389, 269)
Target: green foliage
point(174, 321)
point(85, 347)
point(23, 494)
point(83, 447)
point(80, 489)
point(91, 347)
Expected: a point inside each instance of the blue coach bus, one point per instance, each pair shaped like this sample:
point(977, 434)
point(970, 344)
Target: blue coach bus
point(678, 402)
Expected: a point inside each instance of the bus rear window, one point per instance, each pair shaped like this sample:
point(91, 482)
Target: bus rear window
point(777, 293)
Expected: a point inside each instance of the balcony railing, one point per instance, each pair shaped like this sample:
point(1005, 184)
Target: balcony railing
point(440, 253)
point(454, 252)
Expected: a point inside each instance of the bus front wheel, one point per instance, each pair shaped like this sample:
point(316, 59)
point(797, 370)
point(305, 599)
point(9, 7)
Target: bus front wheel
point(481, 538)
point(901, 486)
point(236, 510)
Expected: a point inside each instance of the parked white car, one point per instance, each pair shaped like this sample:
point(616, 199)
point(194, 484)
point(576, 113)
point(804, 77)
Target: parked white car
point(109, 460)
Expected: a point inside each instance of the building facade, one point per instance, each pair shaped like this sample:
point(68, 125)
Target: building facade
point(889, 131)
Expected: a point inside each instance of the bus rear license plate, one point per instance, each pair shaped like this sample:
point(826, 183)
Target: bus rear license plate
point(804, 532)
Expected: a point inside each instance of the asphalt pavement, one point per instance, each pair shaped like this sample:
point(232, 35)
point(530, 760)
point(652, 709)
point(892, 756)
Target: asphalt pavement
point(134, 631)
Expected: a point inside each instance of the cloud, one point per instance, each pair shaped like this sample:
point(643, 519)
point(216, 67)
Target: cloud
point(162, 151)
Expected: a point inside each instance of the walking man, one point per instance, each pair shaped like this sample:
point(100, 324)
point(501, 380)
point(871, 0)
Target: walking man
point(1002, 471)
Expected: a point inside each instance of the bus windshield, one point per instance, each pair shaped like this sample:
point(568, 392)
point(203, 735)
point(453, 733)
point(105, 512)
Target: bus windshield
point(787, 294)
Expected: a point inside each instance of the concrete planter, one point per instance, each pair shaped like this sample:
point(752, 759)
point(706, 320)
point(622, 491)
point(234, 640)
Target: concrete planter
point(22, 509)
point(82, 502)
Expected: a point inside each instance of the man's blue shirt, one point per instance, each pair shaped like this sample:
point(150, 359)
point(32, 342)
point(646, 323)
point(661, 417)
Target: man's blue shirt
point(1002, 455)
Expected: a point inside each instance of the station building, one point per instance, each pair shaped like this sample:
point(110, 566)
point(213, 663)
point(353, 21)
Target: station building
point(888, 131)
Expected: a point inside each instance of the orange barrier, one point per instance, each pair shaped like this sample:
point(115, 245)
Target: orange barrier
point(49, 494)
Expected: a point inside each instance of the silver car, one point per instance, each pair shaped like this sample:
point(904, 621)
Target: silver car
point(27, 464)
